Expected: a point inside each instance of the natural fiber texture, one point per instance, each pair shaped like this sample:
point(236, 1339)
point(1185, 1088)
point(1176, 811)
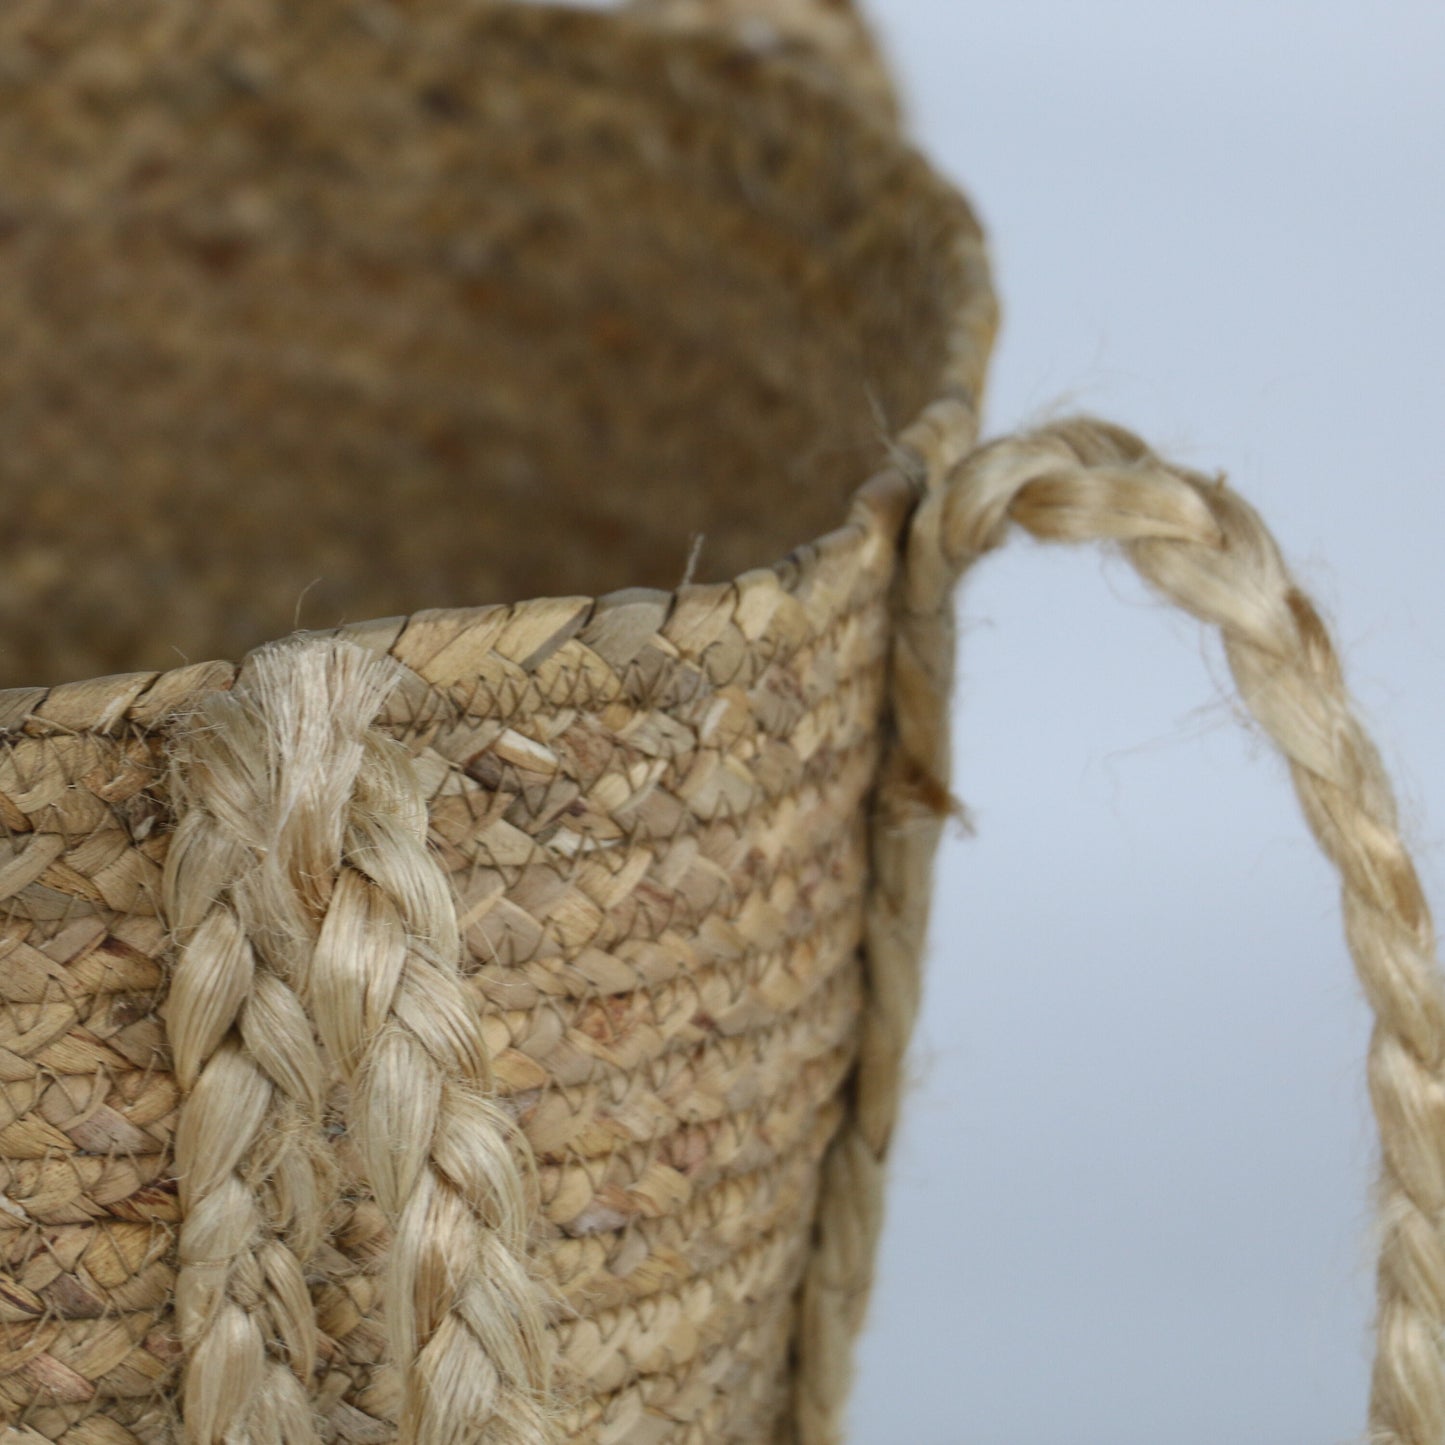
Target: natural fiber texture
point(383, 309)
point(476, 265)
point(299, 875)
point(1206, 549)
point(485, 1023)
point(830, 39)
point(652, 813)
point(910, 804)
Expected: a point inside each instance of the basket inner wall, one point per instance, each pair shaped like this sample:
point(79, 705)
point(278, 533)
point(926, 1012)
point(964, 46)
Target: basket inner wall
point(351, 319)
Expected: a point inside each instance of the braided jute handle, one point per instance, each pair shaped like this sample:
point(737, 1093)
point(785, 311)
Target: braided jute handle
point(309, 912)
point(1206, 549)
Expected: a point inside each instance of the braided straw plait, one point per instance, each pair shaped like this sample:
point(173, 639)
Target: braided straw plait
point(1207, 550)
point(909, 804)
point(300, 878)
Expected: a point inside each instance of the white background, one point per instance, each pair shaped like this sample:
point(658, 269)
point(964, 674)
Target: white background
point(1130, 1204)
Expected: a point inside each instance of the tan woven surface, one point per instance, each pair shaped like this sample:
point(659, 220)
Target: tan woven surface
point(663, 885)
point(370, 309)
point(473, 1021)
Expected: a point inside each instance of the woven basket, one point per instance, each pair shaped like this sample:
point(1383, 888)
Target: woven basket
point(473, 1020)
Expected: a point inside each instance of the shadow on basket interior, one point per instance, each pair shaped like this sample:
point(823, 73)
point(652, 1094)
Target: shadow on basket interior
point(491, 319)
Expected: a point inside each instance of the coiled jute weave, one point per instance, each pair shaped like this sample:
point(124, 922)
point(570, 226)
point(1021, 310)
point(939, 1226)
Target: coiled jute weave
point(467, 1019)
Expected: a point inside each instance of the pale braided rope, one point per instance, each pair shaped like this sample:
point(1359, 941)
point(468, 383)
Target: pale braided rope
point(910, 801)
point(308, 825)
point(247, 1147)
point(1201, 545)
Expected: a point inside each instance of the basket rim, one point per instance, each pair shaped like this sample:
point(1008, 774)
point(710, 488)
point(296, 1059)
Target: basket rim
point(919, 453)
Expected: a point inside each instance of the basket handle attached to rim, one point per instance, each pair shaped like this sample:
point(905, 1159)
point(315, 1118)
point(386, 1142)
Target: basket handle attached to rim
point(831, 38)
point(1202, 546)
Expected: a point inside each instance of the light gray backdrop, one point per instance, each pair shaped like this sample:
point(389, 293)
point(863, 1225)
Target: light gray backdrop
point(1131, 1201)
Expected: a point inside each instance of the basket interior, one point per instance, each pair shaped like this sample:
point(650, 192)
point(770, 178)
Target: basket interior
point(354, 309)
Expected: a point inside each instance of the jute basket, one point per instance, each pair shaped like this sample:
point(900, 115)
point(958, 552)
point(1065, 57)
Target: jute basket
point(480, 1020)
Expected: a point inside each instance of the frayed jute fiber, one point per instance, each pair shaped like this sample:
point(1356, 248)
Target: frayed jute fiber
point(468, 1020)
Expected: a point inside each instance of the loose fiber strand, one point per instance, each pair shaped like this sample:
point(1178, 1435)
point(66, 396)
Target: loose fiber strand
point(306, 822)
